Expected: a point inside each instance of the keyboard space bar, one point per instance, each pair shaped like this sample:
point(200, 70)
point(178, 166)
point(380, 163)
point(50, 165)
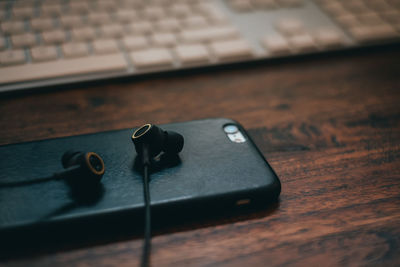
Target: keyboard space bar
point(61, 68)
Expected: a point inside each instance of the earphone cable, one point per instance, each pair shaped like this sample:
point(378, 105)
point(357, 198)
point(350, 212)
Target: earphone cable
point(22, 183)
point(147, 220)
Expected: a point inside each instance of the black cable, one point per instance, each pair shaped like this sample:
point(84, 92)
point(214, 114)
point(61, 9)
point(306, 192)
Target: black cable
point(147, 218)
point(22, 183)
point(54, 177)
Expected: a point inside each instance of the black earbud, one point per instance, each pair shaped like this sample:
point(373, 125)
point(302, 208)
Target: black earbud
point(85, 168)
point(150, 141)
point(156, 140)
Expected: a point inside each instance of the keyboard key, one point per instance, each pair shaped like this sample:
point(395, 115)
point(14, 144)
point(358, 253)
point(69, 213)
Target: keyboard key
point(105, 46)
point(164, 39)
point(348, 21)
point(290, 26)
point(11, 57)
point(126, 16)
point(44, 53)
point(228, 50)
point(379, 5)
point(276, 45)
point(291, 3)
point(374, 33)
point(23, 40)
point(141, 27)
point(329, 38)
point(357, 7)
point(302, 43)
point(70, 21)
point(2, 43)
point(135, 42)
point(393, 17)
point(195, 22)
point(111, 31)
point(370, 19)
point(106, 5)
point(190, 54)
point(42, 24)
point(213, 13)
point(99, 18)
point(79, 7)
point(168, 24)
point(51, 9)
point(23, 12)
point(394, 3)
point(54, 37)
point(209, 34)
point(132, 4)
point(242, 5)
point(83, 34)
point(153, 12)
point(180, 10)
point(23, 3)
point(75, 49)
point(267, 4)
point(2, 14)
point(61, 68)
point(155, 57)
point(335, 9)
point(13, 27)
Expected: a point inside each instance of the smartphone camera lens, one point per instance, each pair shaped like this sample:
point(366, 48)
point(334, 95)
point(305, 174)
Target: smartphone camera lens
point(230, 129)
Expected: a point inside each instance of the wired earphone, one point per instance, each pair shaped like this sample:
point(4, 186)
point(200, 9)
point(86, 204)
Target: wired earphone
point(85, 169)
point(150, 141)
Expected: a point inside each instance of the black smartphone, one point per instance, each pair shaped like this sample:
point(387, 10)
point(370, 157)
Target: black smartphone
point(219, 168)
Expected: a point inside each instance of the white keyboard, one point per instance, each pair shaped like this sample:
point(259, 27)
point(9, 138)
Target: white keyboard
point(54, 42)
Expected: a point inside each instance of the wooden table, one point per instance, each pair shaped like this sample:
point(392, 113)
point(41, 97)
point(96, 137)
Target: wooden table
point(329, 126)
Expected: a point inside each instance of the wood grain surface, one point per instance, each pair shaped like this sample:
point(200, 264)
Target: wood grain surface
point(329, 126)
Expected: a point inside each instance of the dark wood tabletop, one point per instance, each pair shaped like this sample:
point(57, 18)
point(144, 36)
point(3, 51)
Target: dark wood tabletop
point(329, 126)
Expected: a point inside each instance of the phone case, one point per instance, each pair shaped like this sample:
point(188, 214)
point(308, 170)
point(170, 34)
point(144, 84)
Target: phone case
point(211, 172)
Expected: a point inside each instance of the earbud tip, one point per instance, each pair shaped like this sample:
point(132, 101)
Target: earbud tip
point(95, 165)
point(174, 144)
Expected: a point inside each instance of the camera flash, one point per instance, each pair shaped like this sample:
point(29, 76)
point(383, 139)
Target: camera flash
point(237, 137)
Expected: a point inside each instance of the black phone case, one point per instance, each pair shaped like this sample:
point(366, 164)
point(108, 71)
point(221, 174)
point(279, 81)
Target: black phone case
point(210, 173)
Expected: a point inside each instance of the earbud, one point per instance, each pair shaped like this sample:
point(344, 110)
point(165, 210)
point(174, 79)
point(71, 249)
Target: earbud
point(150, 141)
point(85, 168)
point(156, 140)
